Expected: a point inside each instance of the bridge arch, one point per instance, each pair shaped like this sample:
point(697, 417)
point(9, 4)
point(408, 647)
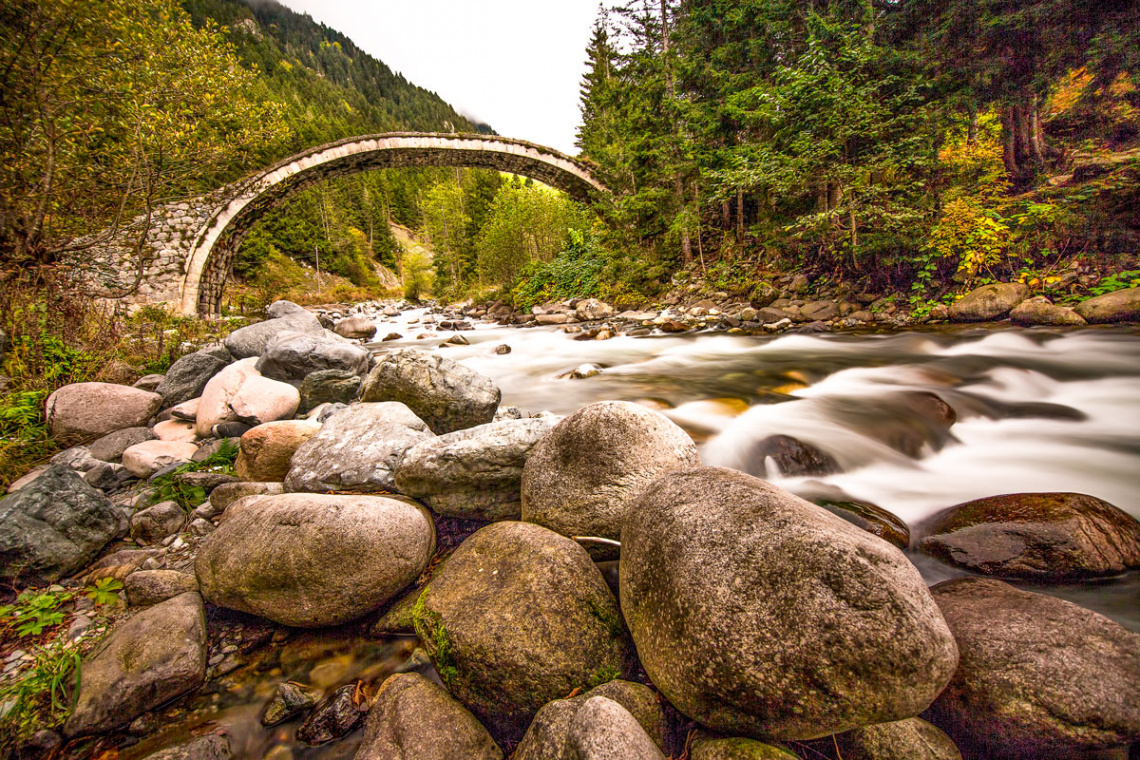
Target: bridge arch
point(213, 247)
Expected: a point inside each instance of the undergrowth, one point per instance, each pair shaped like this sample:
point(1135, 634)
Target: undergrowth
point(170, 487)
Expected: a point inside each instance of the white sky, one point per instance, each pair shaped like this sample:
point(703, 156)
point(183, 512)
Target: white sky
point(514, 64)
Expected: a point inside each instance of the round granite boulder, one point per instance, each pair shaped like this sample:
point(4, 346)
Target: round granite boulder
point(988, 302)
point(313, 560)
point(1045, 536)
point(580, 479)
point(1038, 677)
point(516, 617)
point(759, 614)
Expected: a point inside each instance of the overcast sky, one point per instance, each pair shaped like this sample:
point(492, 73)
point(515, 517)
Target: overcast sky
point(514, 64)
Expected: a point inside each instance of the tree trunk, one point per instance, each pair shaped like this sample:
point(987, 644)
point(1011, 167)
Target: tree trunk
point(740, 216)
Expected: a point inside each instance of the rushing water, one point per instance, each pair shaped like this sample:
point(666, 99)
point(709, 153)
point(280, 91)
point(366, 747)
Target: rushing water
point(1037, 410)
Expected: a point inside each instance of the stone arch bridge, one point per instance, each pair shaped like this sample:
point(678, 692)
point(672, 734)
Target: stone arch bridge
point(190, 244)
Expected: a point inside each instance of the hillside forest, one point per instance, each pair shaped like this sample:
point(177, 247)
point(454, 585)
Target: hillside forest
point(918, 147)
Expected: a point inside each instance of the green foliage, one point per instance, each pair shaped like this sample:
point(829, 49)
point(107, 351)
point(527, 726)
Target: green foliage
point(22, 416)
point(525, 224)
point(170, 487)
point(418, 276)
point(573, 273)
point(35, 611)
point(104, 591)
point(971, 237)
point(1115, 282)
point(42, 697)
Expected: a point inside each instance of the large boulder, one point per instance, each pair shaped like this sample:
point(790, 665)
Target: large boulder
point(312, 560)
point(290, 356)
point(1044, 536)
point(188, 376)
point(240, 394)
point(356, 449)
point(144, 459)
point(910, 739)
point(267, 449)
point(54, 527)
point(1038, 311)
point(414, 719)
point(473, 474)
point(1120, 306)
point(580, 479)
point(82, 411)
point(1038, 676)
point(516, 617)
point(548, 734)
point(360, 328)
point(759, 614)
point(988, 302)
point(445, 394)
point(285, 316)
point(153, 657)
point(705, 747)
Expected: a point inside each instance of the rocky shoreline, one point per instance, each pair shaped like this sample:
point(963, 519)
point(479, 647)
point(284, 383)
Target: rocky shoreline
point(394, 494)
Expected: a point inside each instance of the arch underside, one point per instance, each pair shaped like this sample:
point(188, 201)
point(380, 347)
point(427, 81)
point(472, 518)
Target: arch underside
point(216, 269)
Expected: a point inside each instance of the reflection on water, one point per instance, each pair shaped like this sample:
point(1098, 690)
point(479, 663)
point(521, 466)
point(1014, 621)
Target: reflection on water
point(1037, 410)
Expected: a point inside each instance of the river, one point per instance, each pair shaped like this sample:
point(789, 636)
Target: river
point(1037, 410)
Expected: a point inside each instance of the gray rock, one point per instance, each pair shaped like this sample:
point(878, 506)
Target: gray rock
point(110, 447)
point(469, 619)
point(445, 394)
point(211, 747)
point(604, 730)
point(761, 615)
point(472, 474)
point(359, 328)
point(286, 309)
point(763, 294)
point(252, 340)
point(148, 382)
point(1038, 311)
point(414, 719)
point(107, 476)
point(1043, 536)
point(330, 386)
point(334, 717)
point(356, 449)
point(819, 310)
point(1120, 306)
point(147, 587)
point(1038, 676)
point(77, 458)
point(153, 657)
point(153, 524)
point(5, 344)
point(188, 376)
point(83, 411)
point(580, 478)
point(547, 736)
point(290, 356)
point(272, 558)
point(53, 527)
point(289, 701)
point(988, 302)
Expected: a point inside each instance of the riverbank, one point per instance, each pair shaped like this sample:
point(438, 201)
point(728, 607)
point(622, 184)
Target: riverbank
point(870, 422)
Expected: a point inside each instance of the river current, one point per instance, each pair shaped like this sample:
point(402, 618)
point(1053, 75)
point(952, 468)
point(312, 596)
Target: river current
point(1037, 410)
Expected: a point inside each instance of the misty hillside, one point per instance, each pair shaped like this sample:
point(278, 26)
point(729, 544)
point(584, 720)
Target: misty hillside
point(329, 87)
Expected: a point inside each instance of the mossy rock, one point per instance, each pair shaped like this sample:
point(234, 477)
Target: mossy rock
point(517, 617)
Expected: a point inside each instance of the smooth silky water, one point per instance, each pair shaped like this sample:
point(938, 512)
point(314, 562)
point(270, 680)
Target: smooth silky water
point(1037, 410)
